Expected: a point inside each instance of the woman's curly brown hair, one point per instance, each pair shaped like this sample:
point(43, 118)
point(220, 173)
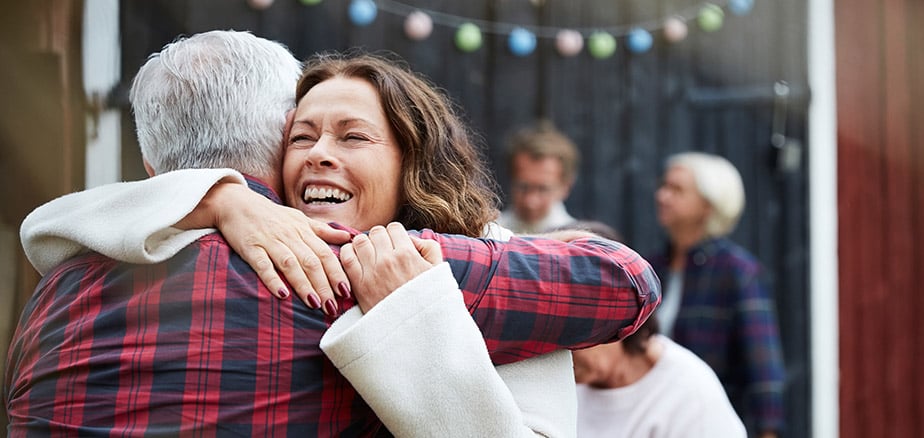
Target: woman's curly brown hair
point(445, 184)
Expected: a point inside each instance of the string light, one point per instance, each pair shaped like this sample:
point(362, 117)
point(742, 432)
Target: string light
point(504, 28)
point(521, 38)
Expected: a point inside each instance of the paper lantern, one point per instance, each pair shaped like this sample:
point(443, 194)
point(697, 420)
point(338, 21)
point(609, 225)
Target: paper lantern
point(362, 12)
point(675, 29)
point(740, 7)
point(569, 42)
point(601, 45)
point(710, 17)
point(639, 40)
point(260, 4)
point(468, 37)
point(521, 42)
point(418, 26)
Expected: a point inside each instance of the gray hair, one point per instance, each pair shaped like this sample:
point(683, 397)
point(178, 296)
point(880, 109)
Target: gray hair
point(216, 99)
point(719, 182)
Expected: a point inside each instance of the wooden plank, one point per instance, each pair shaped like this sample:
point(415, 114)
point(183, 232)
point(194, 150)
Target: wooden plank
point(897, 215)
point(859, 86)
point(914, 380)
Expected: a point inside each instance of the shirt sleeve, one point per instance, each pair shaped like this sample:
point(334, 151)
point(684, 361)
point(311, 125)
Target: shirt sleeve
point(129, 221)
point(531, 296)
point(418, 359)
point(759, 339)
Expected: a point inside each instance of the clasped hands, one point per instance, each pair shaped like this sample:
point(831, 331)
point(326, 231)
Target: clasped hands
point(275, 239)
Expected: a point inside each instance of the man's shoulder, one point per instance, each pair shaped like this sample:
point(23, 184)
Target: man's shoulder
point(92, 263)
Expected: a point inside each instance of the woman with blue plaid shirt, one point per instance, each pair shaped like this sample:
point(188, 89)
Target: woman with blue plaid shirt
point(714, 300)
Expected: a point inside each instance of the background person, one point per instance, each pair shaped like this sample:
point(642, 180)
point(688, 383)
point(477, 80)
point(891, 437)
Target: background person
point(543, 164)
point(715, 301)
point(648, 386)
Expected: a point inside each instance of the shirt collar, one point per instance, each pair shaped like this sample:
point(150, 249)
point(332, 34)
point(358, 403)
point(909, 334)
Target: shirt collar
point(260, 187)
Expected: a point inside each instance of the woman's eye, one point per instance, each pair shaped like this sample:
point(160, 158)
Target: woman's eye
point(300, 139)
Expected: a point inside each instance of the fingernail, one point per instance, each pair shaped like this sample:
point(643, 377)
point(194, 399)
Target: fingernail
point(313, 301)
point(343, 228)
point(283, 292)
point(330, 308)
point(344, 290)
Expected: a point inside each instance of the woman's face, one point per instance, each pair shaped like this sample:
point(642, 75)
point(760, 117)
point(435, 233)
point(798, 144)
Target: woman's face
point(680, 206)
point(342, 163)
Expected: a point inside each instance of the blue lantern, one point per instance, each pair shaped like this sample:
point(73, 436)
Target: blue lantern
point(362, 12)
point(740, 7)
point(639, 40)
point(521, 42)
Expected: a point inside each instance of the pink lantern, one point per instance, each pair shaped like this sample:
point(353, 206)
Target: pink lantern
point(418, 26)
point(675, 29)
point(260, 4)
point(569, 42)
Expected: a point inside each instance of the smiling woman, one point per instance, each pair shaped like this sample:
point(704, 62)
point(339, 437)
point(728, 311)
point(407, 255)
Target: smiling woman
point(372, 103)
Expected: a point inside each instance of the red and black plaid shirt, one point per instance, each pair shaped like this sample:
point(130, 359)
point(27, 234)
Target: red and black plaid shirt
point(196, 346)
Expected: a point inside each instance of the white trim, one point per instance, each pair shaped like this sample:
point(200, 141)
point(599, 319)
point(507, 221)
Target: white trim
point(823, 266)
point(101, 71)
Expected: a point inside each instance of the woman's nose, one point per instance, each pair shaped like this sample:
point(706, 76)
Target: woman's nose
point(323, 153)
point(661, 194)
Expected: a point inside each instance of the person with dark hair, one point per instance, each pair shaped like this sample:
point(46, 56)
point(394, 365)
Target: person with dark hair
point(648, 386)
point(542, 163)
point(193, 343)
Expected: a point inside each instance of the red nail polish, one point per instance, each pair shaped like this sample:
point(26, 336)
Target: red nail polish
point(313, 301)
point(337, 226)
point(330, 307)
point(283, 292)
point(344, 290)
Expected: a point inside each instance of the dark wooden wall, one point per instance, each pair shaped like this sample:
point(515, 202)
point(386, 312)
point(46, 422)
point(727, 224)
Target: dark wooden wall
point(712, 92)
point(881, 212)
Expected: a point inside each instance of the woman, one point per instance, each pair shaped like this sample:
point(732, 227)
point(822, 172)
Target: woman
point(715, 302)
point(382, 145)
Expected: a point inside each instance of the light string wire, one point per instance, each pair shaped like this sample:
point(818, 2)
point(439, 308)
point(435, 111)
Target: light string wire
point(498, 27)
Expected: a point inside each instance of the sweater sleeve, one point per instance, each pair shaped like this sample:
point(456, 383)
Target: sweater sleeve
point(128, 221)
point(420, 362)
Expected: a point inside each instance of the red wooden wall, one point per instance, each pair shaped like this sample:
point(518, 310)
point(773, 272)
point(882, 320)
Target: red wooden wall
point(880, 94)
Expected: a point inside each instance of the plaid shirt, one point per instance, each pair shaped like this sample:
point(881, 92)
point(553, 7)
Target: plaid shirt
point(196, 346)
point(728, 318)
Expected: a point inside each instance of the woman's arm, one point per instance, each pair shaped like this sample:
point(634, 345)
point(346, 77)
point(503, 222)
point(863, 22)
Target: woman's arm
point(130, 221)
point(418, 359)
point(149, 221)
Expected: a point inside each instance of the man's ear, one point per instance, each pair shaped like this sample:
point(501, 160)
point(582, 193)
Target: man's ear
point(290, 118)
point(148, 168)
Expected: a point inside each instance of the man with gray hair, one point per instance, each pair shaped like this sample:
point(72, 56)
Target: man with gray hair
point(196, 344)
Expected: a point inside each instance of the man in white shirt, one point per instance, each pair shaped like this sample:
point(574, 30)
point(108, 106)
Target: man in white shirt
point(543, 165)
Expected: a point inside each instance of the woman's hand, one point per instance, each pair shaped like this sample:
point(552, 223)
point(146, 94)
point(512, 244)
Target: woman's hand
point(384, 260)
point(269, 236)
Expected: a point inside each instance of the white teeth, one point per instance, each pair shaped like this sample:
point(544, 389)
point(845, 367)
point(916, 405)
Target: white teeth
point(325, 195)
